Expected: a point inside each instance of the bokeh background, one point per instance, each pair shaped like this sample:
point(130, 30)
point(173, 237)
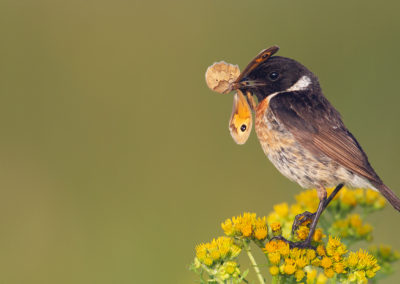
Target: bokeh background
point(115, 157)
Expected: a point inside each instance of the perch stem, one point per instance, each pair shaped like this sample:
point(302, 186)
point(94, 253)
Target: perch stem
point(253, 262)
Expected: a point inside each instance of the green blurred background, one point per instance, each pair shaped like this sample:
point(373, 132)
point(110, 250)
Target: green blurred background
point(115, 157)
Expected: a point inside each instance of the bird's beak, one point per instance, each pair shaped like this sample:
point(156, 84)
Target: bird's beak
point(247, 84)
point(242, 82)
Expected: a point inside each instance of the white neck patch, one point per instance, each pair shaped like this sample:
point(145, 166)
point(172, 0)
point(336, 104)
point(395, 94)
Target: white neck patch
point(301, 84)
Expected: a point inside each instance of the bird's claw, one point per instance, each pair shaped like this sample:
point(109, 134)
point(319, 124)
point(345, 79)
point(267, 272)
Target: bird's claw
point(302, 218)
point(301, 245)
point(280, 238)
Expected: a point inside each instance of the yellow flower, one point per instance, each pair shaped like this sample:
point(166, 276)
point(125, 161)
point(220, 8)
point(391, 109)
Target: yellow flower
point(289, 269)
point(352, 259)
point(380, 203)
point(230, 267)
point(365, 260)
point(316, 262)
point(311, 275)
point(321, 250)
point(274, 270)
point(260, 222)
point(331, 258)
point(308, 200)
point(224, 249)
point(370, 273)
point(201, 251)
point(362, 261)
point(271, 246)
point(274, 257)
point(275, 227)
point(228, 228)
point(318, 235)
point(310, 254)
point(301, 262)
point(299, 275)
point(208, 261)
point(385, 251)
point(359, 194)
point(355, 220)
point(336, 257)
point(282, 209)
point(295, 253)
point(326, 262)
point(283, 248)
point(216, 250)
point(246, 225)
point(261, 233)
point(360, 276)
point(335, 246)
point(296, 209)
point(371, 196)
point(215, 254)
point(348, 197)
point(364, 230)
point(302, 232)
point(329, 273)
point(339, 267)
point(321, 279)
point(246, 230)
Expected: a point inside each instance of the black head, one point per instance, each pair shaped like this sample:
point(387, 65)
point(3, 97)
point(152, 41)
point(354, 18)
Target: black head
point(277, 74)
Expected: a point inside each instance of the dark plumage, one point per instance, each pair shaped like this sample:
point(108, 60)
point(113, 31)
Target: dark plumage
point(303, 134)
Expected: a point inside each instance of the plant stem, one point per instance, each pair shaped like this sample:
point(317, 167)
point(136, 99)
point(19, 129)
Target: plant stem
point(253, 261)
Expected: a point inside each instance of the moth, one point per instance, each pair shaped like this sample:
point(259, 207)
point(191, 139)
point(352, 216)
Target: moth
point(241, 120)
point(223, 78)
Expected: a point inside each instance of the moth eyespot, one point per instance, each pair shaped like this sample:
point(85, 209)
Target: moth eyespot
point(243, 128)
point(273, 76)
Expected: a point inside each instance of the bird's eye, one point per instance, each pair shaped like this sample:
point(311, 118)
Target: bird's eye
point(273, 76)
point(243, 127)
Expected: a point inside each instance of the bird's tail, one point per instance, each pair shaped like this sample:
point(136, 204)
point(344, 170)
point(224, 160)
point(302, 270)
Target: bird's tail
point(389, 195)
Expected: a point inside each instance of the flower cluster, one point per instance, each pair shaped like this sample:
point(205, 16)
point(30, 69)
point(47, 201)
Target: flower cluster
point(347, 200)
point(286, 261)
point(218, 258)
point(361, 265)
point(330, 258)
point(283, 217)
point(217, 250)
point(247, 225)
point(352, 227)
point(385, 256)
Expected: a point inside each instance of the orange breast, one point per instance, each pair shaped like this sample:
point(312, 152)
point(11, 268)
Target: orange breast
point(270, 133)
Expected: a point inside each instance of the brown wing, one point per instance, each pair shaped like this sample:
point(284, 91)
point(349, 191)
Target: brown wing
point(318, 127)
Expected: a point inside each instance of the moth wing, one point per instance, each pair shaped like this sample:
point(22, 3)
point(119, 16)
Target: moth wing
point(241, 120)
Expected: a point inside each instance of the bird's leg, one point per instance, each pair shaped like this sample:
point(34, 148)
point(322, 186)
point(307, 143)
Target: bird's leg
point(323, 203)
point(307, 242)
point(307, 216)
point(333, 194)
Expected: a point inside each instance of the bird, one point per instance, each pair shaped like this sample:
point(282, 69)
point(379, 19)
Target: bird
point(303, 135)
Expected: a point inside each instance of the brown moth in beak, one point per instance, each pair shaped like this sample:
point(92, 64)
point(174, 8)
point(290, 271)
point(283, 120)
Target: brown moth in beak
point(222, 77)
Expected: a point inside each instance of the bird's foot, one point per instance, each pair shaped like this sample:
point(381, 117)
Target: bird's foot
point(301, 219)
point(280, 238)
point(301, 245)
